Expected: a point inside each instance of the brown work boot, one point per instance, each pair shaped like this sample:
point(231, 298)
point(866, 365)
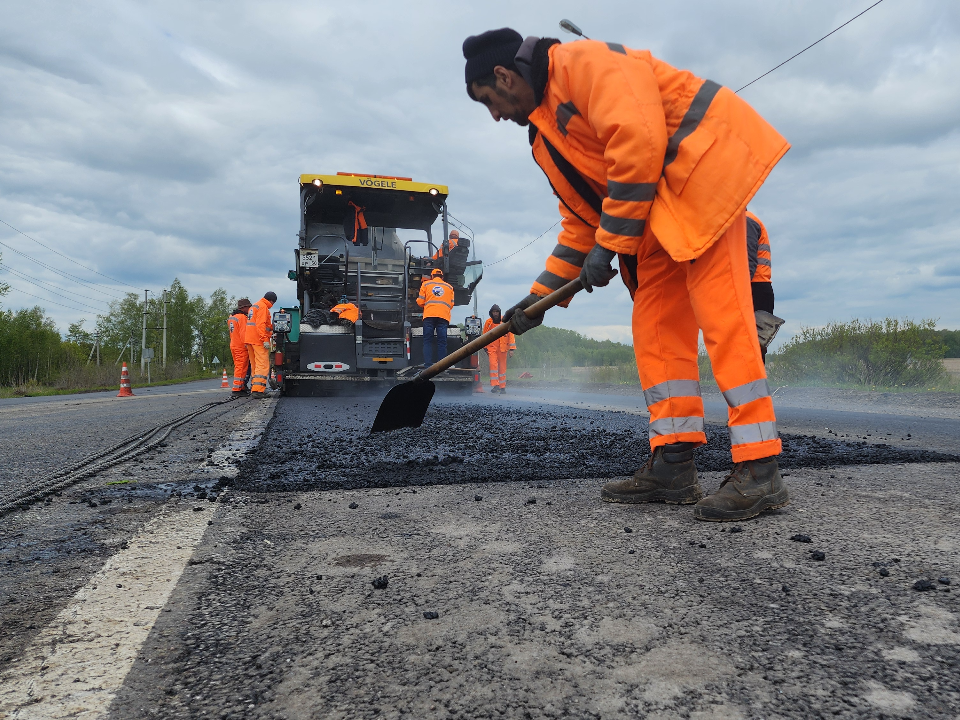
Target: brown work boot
point(669, 476)
point(749, 489)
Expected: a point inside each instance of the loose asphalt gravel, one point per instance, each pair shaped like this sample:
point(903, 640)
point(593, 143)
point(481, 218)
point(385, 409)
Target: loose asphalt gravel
point(467, 442)
point(467, 569)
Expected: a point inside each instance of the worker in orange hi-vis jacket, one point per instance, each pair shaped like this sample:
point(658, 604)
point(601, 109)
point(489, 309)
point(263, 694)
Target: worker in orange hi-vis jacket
point(452, 241)
point(258, 336)
point(237, 325)
point(436, 299)
point(498, 352)
point(656, 165)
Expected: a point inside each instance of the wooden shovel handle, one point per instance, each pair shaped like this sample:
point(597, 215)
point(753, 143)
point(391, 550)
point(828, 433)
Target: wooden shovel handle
point(538, 308)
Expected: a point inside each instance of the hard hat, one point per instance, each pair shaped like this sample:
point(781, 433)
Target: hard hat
point(436, 272)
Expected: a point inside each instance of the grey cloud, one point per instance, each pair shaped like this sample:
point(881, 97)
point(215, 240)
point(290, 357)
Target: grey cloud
point(164, 139)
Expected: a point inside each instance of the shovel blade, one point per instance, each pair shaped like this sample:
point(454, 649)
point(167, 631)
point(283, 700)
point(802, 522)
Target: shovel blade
point(404, 406)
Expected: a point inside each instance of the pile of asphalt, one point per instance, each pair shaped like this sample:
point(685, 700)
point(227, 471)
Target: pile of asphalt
point(325, 444)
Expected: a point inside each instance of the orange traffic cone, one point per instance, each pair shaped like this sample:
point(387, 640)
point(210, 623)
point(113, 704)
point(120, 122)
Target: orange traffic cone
point(224, 383)
point(125, 390)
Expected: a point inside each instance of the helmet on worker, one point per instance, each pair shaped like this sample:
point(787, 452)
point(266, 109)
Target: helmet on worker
point(436, 272)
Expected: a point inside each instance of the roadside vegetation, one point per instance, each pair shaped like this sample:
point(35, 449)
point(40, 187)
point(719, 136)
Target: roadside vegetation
point(37, 359)
point(881, 355)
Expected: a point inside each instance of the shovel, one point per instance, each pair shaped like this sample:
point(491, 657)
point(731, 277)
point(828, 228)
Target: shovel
point(406, 404)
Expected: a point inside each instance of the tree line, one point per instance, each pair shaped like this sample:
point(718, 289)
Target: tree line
point(33, 350)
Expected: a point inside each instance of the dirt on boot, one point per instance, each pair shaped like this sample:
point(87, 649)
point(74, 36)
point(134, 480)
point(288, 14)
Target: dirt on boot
point(751, 488)
point(669, 476)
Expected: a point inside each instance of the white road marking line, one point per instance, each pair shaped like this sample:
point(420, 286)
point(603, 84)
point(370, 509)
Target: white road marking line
point(78, 662)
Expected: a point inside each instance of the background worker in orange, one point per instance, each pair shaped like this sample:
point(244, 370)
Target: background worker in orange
point(452, 242)
point(237, 325)
point(498, 352)
point(258, 336)
point(655, 165)
point(761, 273)
point(436, 299)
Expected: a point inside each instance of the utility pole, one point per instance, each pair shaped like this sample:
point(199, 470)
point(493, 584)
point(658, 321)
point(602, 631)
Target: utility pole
point(143, 344)
point(165, 302)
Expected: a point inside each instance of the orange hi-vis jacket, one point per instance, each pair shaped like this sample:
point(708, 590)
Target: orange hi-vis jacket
point(452, 242)
point(259, 323)
point(758, 250)
point(632, 145)
point(237, 324)
point(507, 342)
point(436, 299)
point(347, 311)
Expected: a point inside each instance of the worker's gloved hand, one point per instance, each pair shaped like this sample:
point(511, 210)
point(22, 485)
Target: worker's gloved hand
point(519, 322)
point(266, 344)
point(597, 269)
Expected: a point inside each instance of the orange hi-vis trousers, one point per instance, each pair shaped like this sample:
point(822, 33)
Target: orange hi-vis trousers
point(260, 367)
point(240, 362)
point(675, 300)
point(498, 367)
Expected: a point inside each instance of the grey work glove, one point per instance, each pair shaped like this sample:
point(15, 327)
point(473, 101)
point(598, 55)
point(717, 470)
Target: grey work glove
point(597, 269)
point(519, 322)
point(767, 326)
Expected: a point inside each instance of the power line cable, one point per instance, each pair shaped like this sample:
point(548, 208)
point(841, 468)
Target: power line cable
point(50, 301)
point(59, 272)
point(810, 46)
point(57, 252)
point(525, 246)
point(37, 281)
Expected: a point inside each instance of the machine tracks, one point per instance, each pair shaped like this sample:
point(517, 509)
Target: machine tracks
point(89, 466)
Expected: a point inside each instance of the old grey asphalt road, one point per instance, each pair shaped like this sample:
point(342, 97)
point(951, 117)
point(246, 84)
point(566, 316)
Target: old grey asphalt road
point(519, 598)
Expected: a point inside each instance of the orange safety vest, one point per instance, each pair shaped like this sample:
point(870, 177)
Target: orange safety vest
point(436, 299)
point(347, 311)
point(259, 323)
point(758, 250)
point(633, 145)
point(507, 342)
point(359, 234)
point(237, 324)
point(439, 253)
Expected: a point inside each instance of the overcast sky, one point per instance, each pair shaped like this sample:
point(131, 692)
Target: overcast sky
point(153, 140)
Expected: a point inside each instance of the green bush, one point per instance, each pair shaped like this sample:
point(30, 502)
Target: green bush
point(557, 348)
point(884, 353)
point(951, 338)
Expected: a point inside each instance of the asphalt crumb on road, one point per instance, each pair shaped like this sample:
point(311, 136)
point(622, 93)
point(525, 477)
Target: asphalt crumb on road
point(313, 446)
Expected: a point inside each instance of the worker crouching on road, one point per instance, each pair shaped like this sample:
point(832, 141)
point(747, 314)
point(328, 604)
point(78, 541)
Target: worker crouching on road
point(258, 336)
point(237, 324)
point(655, 165)
point(436, 299)
point(498, 352)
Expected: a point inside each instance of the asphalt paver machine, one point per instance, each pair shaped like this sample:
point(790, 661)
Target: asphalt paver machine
point(365, 245)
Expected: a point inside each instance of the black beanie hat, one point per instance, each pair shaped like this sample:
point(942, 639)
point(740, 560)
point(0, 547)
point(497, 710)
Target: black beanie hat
point(485, 51)
point(270, 297)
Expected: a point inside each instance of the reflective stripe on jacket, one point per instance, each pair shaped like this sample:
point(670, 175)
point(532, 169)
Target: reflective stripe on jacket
point(436, 299)
point(259, 323)
point(237, 324)
point(631, 145)
point(507, 342)
point(758, 250)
